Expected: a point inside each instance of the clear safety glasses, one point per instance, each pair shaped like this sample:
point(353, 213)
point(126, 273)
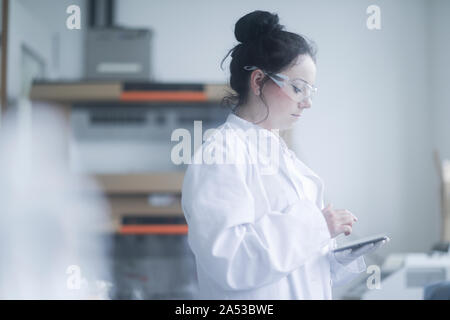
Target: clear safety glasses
point(297, 90)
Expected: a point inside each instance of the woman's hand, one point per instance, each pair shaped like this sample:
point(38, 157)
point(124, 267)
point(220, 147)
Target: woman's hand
point(347, 256)
point(338, 220)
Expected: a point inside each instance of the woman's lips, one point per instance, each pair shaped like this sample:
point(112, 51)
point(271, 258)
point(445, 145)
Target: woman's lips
point(295, 115)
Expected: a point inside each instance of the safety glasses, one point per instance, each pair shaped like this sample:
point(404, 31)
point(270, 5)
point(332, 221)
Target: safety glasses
point(298, 89)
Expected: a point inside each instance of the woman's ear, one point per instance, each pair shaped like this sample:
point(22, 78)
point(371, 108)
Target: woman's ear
point(256, 79)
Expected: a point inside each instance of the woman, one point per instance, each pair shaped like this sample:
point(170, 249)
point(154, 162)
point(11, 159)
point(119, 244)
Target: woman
point(257, 224)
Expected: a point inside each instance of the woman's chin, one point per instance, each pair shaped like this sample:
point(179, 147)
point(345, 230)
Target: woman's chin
point(287, 126)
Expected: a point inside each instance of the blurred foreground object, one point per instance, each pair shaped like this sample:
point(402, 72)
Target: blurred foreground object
point(443, 168)
point(50, 244)
point(437, 291)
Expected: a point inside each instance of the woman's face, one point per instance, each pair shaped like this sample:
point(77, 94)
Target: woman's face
point(284, 111)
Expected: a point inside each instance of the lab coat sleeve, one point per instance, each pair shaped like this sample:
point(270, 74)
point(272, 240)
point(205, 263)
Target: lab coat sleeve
point(238, 250)
point(342, 274)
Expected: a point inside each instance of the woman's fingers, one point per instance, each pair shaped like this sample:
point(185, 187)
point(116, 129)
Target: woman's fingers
point(379, 244)
point(347, 215)
point(346, 220)
point(339, 220)
point(345, 228)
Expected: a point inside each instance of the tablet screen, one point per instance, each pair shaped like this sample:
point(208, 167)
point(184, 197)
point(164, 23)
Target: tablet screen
point(359, 243)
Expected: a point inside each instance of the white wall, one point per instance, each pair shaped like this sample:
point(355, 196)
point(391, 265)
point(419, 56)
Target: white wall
point(369, 133)
point(36, 24)
point(440, 69)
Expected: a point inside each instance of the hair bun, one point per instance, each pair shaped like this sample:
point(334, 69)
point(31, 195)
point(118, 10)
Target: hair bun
point(255, 25)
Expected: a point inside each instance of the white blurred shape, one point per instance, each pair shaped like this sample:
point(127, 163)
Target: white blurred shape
point(446, 170)
point(48, 222)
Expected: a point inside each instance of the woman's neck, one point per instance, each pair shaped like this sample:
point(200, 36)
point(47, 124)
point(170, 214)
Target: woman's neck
point(254, 117)
point(247, 113)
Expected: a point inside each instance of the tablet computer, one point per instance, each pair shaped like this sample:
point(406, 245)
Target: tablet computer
point(361, 242)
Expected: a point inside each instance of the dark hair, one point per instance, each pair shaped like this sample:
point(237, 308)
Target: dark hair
point(263, 43)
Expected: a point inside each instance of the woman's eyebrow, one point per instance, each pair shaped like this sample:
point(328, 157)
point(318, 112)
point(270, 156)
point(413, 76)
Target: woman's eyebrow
point(302, 80)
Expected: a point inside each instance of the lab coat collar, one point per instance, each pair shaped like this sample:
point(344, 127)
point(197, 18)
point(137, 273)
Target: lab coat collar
point(245, 124)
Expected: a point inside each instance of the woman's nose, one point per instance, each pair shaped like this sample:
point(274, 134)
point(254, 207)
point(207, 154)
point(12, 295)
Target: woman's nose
point(305, 103)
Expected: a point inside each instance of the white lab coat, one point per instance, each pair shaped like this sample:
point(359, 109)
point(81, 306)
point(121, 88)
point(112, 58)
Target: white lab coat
point(256, 234)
